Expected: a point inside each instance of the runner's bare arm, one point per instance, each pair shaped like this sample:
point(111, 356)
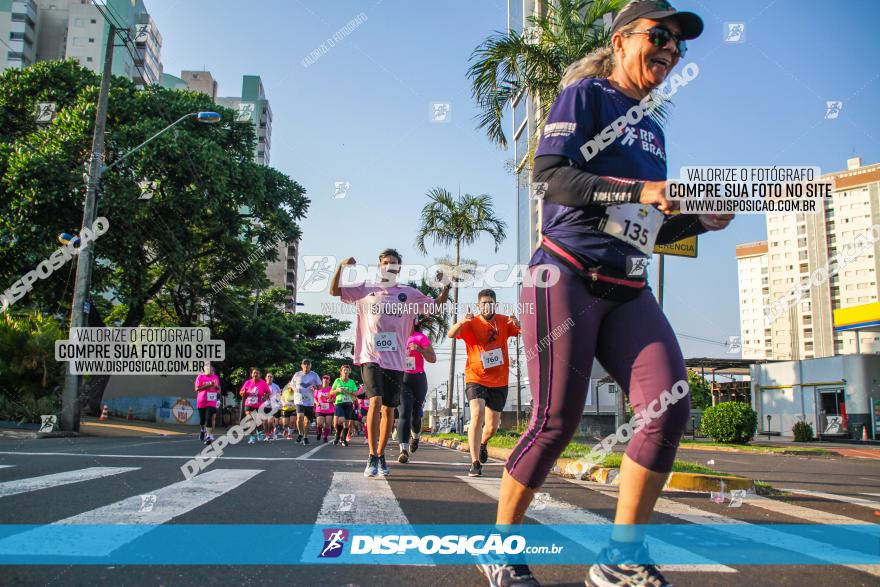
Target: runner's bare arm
point(444, 294)
point(457, 326)
point(427, 352)
point(334, 284)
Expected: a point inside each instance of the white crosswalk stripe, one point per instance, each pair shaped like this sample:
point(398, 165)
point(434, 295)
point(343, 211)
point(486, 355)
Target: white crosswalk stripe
point(373, 502)
point(763, 534)
point(170, 502)
point(6, 466)
point(809, 514)
point(17, 486)
point(550, 511)
point(356, 500)
point(835, 497)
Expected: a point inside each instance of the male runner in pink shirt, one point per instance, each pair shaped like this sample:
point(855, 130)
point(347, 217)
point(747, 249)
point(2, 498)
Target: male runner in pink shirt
point(386, 311)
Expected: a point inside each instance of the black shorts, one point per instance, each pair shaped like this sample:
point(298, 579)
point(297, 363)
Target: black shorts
point(307, 411)
point(344, 410)
point(495, 397)
point(288, 413)
point(275, 414)
point(384, 383)
point(206, 415)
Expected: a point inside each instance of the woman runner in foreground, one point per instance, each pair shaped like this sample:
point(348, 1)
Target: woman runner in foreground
point(604, 209)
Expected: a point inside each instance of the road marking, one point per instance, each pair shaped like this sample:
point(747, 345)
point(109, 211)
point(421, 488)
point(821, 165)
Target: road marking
point(871, 494)
point(369, 501)
point(57, 479)
point(763, 534)
point(311, 452)
point(6, 466)
point(189, 457)
point(811, 515)
point(156, 431)
point(835, 497)
point(553, 512)
point(374, 501)
point(171, 501)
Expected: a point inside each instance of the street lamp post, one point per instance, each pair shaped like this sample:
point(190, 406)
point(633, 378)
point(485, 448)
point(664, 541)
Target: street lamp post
point(70, 412)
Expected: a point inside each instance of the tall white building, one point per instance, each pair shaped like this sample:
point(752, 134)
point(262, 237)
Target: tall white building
point(18, 31)
point(797, 246)
point(42, 30)
point(754, 294)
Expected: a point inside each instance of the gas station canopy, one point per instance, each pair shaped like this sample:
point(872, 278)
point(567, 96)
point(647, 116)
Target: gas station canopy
point(865, 317)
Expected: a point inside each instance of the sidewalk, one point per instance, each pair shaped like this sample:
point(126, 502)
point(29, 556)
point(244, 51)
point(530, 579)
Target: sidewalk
point(844, 449)
point(122, 427)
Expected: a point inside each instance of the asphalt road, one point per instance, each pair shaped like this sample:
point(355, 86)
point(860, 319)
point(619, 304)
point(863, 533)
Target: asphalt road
point(282, 482)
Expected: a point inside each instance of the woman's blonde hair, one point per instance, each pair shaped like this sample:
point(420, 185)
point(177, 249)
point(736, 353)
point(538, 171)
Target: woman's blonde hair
point(599, 63)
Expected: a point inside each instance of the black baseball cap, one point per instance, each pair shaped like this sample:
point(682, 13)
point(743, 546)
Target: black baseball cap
point(691, 24)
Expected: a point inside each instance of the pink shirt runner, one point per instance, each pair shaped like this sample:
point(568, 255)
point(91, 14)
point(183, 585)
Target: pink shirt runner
point(254, 395)
point(385, 317)
point(208, 397)
point(323, 403)
point(419, 339)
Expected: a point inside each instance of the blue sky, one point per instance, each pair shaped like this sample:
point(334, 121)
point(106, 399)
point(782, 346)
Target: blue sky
point(360, 114)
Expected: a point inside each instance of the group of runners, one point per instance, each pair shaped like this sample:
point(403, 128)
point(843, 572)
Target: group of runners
point(600, 210)
point(391, 351)
point(337, 408)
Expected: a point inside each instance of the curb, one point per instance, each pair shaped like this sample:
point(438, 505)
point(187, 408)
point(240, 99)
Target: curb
point(33, 434)
point(828, 451)
point(584, 471)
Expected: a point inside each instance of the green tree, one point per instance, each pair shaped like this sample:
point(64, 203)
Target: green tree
point(162, 258)
point(30, 378)
point(436, 325)
point(457, 221)
point(508, 65)
point(701, 395)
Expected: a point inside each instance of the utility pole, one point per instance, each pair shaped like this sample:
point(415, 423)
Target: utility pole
point(660, 280)
point(518, 385)
point(70, 399)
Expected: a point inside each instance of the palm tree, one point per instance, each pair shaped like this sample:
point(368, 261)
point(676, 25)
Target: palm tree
point(434, 326)
point(508, 65)
point(447, 220)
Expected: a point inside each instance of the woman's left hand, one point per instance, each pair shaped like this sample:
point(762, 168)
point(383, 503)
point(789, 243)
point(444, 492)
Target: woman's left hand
point(715, 221)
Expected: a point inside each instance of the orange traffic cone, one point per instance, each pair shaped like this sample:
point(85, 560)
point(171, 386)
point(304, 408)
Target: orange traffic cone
point(105, 413)
point(130, 413)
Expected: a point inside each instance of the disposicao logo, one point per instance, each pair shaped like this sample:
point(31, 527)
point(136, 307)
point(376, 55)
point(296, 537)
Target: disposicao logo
point(334, 540)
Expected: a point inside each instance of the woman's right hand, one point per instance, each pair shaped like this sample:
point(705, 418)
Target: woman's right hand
point(654, 193)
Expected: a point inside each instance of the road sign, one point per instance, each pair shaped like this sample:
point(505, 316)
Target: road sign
point(684, 248)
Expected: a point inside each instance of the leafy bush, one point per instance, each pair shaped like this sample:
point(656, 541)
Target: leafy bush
point(733, 422)
point(30, 377)
point(27, 409)
point(802, 431)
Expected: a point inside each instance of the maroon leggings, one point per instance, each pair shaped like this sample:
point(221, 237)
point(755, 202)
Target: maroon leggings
point(564, 328)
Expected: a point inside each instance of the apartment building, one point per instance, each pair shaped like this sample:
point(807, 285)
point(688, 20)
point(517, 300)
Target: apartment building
point(41, 30)
point(799, 245)
point(252, 107)
point(19, 32)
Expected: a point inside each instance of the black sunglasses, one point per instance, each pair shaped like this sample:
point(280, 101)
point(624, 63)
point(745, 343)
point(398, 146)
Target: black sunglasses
point(660, 37)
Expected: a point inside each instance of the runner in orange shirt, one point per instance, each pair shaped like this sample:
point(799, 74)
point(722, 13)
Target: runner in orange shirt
point(486, 372)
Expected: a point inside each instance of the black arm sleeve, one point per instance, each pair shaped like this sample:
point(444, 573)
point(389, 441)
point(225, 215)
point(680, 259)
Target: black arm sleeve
point(678, 227)
point(563, 182)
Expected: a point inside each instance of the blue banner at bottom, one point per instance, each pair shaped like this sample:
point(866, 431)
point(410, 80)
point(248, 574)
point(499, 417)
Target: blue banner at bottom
point(218, 544)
